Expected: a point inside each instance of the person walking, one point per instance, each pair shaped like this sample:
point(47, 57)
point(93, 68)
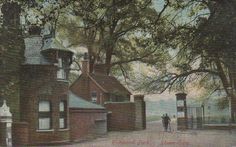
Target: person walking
point(163, 124)
point(166, 122)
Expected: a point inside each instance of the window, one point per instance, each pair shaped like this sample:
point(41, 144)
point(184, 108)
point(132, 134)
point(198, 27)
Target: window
point(63, 114)
point(61, 73)
point(94, 97)
point(44, 115)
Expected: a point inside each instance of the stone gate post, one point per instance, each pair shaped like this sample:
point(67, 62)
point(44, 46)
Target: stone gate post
point(5, 125)
point(181, 105)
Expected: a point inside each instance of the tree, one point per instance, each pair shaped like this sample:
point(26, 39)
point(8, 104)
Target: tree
point(204, 46)
point(35, 14)
point(116, 32)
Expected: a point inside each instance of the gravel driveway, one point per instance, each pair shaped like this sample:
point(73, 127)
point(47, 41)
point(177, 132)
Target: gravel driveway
point(154, 136)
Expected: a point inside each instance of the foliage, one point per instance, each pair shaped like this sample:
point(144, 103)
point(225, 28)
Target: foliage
point(222, 103)
point(18, 18)
point(183, 41)
point(38, 12)
point(202, 37)
point(197, 42)
point(115, 32)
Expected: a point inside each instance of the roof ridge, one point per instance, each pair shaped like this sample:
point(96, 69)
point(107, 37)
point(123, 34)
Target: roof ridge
point(114, 78)
point(99, 85)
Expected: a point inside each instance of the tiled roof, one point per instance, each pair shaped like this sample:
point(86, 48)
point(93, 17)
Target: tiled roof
point(110, 84)
point(53, 44)
point(78, 102)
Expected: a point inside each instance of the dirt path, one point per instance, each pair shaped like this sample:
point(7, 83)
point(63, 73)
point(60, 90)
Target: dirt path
point(153, 136)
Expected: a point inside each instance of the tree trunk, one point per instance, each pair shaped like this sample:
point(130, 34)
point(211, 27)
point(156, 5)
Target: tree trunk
point(91, 59)
point(232, 71)
point(230, 92)
point(108, 60)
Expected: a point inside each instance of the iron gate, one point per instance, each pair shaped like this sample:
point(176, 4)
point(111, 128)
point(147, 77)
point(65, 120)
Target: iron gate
point(194, 117)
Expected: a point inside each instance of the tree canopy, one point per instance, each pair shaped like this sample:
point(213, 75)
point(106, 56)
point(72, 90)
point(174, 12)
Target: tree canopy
point(183, 41)
point(116, 32)
point(202, 39)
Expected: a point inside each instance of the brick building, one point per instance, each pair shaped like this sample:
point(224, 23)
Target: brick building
point(44, 90)
point(87, 119)
point(98, 87)
point(34, 81)
point(106, 90)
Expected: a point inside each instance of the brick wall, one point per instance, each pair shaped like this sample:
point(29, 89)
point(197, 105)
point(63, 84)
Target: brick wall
point(2, 134)
point(20, 133)
point(122, 116)
point(140, 112)
point(81, 87)
point(40, 83)
point(101, 96)
point(85, 123)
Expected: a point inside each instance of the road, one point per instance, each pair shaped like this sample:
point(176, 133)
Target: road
point(154, 136)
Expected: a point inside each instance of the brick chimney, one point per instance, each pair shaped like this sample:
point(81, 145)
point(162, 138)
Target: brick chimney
point(85, 64)
point(100, 69)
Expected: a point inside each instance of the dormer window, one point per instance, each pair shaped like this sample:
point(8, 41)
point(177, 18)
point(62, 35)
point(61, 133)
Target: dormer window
point(61, 73)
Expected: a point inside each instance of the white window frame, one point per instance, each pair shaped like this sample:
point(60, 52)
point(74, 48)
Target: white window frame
point(44, 115)
point(44, 123)
point(61, 73)
point(62, 123)
point(63, 115)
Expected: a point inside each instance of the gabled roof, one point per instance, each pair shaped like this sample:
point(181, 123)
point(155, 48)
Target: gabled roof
point(78, 102)
point(109, 84)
